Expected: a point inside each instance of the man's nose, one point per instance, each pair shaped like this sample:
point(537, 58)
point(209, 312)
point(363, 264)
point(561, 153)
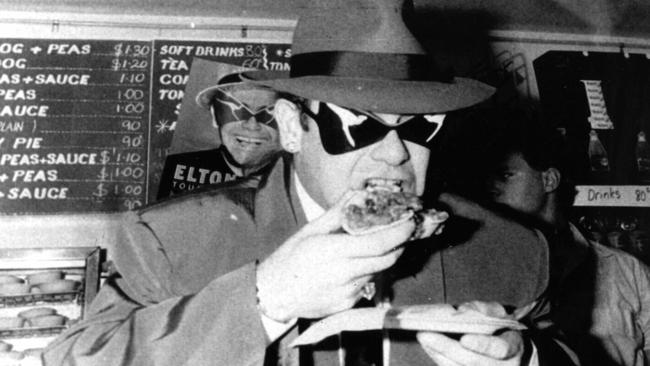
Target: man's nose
point(391, 150)
point(251, 124)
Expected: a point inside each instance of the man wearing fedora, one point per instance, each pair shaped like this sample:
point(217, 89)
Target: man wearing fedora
point(229, 276)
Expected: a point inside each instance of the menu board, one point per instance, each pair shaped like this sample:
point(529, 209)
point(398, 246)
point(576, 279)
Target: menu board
point(85, 125)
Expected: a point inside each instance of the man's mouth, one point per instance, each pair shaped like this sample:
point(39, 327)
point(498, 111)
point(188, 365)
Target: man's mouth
point(242, 140)
point(393, 185)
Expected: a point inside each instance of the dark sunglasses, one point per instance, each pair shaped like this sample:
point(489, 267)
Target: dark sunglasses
point(227, 108)
point(356, 129)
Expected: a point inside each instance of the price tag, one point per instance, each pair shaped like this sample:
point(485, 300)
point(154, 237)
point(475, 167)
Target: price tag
point(613, 196)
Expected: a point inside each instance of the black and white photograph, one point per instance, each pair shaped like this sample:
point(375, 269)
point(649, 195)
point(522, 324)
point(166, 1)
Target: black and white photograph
point(324, 183)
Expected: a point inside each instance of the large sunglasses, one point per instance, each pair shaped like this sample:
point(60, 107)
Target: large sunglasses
point(343, 130)
point(227, 109)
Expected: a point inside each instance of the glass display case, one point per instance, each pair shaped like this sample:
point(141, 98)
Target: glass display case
point(42, 293)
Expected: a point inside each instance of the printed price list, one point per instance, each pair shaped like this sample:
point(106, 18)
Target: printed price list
point(85, 125)
point(74, 124)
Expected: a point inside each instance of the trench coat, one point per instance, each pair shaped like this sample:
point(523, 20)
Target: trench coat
point(185, 289)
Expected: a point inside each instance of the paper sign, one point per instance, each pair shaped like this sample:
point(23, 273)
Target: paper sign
point(613, 196)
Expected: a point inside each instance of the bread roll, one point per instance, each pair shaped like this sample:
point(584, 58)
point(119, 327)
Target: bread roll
point(11, 289)
point(47, 321)
point(56, 286)
point(33, 352)
point(12, 322)
point(10, 279)
point(5, 347)
point(43, 277)
point(34, 312)
point(11, 356)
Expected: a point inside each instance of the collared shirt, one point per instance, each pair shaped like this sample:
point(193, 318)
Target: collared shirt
point(312, 209)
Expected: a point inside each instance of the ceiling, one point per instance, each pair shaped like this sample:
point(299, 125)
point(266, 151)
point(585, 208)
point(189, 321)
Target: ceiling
point(602, 17)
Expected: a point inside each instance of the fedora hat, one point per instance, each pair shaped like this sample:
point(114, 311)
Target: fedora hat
point(360, 54)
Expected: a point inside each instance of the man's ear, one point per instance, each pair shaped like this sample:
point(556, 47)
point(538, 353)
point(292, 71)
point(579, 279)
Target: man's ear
point(287, 115)
point(551, 178)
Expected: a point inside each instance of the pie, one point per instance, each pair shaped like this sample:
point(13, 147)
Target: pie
point(378, 207)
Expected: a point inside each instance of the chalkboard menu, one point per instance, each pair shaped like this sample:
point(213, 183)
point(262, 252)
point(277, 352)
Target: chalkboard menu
point(85, 125)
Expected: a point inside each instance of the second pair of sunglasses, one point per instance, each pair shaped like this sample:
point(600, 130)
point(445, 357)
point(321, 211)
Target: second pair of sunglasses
point(229, 109)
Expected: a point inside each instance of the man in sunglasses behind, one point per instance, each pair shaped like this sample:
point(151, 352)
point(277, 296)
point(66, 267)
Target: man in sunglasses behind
point(243, 115)
point(230, 276)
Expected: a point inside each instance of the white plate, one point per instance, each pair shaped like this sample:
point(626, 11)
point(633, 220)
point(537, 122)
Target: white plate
point(441, 318)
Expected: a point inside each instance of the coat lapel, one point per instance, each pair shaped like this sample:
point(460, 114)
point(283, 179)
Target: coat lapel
point(278, 213)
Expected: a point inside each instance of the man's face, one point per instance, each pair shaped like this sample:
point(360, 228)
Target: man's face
point(518, 186)
point(247, 130)
point(331, 162)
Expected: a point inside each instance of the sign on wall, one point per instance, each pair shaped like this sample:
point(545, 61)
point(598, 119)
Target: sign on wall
point(85, 125)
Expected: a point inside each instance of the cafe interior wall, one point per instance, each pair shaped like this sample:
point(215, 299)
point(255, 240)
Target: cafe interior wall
point(493, 40)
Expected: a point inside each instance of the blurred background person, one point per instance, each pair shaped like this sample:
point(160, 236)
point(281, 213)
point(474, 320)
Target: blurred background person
point(600, 296)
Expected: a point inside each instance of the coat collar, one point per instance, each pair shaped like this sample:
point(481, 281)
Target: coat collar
point(277, 209)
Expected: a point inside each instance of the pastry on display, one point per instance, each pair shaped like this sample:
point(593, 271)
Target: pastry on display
point(34, 312)
point(13, 289)
point(5, 347)
point(11, 356)
point(43, 277)
point(10, 279)
point(47, 321)
point(33, 352)
point(11, 322)
point(55, 286)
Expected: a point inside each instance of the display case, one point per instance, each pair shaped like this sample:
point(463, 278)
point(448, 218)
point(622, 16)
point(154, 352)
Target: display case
point(42, 293)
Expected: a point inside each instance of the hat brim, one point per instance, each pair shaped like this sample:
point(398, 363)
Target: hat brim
point(379, 95)
point(204, 97)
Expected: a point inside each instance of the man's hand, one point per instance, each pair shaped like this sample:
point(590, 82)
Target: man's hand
point(318, 272)
point(506, 349)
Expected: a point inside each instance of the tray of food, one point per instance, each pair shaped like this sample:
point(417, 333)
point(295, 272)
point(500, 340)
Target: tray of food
point(36, 321)
point(43, 286)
